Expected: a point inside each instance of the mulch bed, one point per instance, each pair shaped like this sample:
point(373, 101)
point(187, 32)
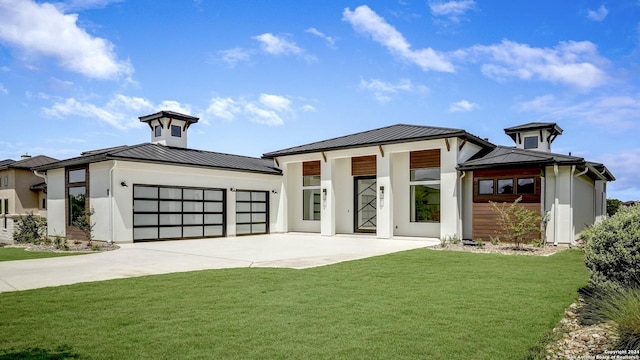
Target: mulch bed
point(507, 249)
point(72, 246)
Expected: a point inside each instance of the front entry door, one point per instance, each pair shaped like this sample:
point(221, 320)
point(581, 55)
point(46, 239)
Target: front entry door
point(365, 204)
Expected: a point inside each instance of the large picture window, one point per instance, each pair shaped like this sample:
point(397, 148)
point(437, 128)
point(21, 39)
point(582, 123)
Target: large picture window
point(507, 185)
point(311, 190)
point(424, 186)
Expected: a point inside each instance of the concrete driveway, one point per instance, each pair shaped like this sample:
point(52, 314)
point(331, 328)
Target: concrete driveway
point(297, 251)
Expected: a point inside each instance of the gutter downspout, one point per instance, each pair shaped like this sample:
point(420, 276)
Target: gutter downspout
point(556, 203)
point(110, 193)
point(572, 231)
point(460, 191)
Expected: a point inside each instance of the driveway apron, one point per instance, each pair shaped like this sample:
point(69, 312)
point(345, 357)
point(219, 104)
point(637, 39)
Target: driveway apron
point(297, 251)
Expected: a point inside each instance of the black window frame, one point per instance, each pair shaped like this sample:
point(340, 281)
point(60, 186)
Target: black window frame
point(176, 131)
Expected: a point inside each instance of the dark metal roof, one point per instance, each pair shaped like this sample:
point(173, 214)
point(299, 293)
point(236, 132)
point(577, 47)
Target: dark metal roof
point(553, 128)
point(170, 115)
point(160, 154)
point(6, 162)
point(27, 163)
point(39, 186)
point(503, 156)
point(393, 134)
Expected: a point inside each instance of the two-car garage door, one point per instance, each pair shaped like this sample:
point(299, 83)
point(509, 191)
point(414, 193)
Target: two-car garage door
point(164, 212)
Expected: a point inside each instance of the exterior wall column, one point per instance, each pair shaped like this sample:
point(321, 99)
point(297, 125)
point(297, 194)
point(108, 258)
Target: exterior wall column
point(384, 216)
point(449, 193)
point(328, 199)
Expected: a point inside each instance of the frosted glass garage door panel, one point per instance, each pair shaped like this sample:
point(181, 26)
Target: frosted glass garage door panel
point(170, 232)
point(145, 233)
point(213, 230)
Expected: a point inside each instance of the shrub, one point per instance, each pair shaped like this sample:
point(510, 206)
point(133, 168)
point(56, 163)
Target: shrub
point(517, 224)
point(495, 240)
point(60, 242)
point(83, 222)
point(30, 229)
point(443, 242)
point(612, 250)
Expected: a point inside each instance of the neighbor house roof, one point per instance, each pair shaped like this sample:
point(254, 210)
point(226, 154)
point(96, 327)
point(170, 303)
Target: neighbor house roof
point(503, 156)
point(27, 163)
point(161, 154)
point(393, 134)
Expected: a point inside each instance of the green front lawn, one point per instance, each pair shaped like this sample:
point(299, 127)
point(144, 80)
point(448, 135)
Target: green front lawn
point(418, 304)
point(9, 254)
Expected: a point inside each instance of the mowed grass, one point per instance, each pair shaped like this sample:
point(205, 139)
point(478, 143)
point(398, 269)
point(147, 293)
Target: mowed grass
point(9, 254)
point(419, 304)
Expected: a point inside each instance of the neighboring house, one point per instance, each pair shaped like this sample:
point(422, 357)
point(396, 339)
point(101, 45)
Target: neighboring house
point(21, 192)
point(400, 180)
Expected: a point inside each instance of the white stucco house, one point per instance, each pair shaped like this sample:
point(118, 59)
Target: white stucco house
point(396, 181)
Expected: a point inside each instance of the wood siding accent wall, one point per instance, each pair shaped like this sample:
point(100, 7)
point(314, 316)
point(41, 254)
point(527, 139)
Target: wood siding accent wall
point(311, 168)
point(363, 165)
point(508, 174)
point(484, 219)
point(424, 159)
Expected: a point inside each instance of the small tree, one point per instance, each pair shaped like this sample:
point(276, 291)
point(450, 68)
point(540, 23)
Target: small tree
point(30, 229)
point(613, 205)
point(83, 222)
point(516, 224)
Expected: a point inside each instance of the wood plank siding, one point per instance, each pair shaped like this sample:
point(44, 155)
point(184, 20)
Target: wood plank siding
point(311, 168)
point(423, 159)
point(363, 165)
point(484, 218)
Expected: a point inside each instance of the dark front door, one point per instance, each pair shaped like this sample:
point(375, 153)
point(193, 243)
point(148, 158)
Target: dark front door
point(365, 204)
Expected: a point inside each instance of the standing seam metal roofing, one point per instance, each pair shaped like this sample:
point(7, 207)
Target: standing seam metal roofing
point(156, 153)
point(507, 156)
point(386, 135)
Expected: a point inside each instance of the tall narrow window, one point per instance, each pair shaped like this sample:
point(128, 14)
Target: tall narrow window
point(76, 194)
point(311, 190)
point(424, 186)
point(157, 131)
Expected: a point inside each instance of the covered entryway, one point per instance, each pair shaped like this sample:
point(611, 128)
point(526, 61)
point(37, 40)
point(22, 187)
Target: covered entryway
point(365, 204)
point(166, 212)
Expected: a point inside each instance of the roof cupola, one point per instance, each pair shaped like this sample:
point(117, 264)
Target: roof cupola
point(534, 136)
point(169, 128)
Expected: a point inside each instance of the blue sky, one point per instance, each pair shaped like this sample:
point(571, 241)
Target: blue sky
point(262, 76)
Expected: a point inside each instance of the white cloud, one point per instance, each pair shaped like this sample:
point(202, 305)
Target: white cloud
point(321, 35)
point(308, 108)
point(453, 10)
point(120, 111)
point(275, 45)
point(615, 113)
point(42, 30)
point(575, 63)
point(599, 14)
point(462, 106)
point(235, 55)
point(267, 109)
point(3, 90)
point(366, 21)
point(384, 91)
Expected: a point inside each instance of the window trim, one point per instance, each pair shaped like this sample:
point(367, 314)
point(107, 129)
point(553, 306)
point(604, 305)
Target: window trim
point(528, 146)
point(311, 169)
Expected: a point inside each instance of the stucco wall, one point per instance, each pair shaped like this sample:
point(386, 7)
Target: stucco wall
point(56, 215)
point(583, 203)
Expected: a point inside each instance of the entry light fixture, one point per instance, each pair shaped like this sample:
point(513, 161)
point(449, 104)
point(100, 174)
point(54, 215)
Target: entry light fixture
point(381, 192)
point(232, 189)
point(324, 194)
point(274, 191)
point(124, 184)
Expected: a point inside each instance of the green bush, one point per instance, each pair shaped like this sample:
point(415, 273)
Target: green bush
point(30, 229)
point(612, 250)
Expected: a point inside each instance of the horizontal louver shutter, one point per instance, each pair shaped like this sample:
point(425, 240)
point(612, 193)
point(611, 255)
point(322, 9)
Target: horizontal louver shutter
point(363, 165)
point(425, 159)
point(311, 168)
